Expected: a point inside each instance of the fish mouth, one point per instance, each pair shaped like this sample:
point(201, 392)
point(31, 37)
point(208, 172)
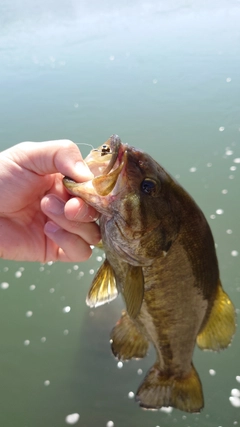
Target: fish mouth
point(106, 163)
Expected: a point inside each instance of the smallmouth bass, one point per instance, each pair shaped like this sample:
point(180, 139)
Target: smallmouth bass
point(160, 256)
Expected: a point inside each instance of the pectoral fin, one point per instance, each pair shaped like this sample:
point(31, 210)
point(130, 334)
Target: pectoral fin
point(133, 290)
point(103, 287)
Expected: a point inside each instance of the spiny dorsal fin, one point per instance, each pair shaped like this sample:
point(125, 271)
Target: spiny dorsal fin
point(221, 325)
point(133, 290)
point(103, 287)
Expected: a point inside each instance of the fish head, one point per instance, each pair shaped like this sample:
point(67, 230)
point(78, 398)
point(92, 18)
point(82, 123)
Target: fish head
point(131, 191)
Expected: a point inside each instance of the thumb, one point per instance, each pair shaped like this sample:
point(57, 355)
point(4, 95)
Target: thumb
point(50, 157)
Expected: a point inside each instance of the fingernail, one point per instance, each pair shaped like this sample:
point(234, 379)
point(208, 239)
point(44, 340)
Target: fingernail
point(54, 205)
point(83, 171)
point(51, 227)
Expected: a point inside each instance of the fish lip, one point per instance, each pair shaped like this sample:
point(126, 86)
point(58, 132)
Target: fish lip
point(115, 144)
point(117, 150)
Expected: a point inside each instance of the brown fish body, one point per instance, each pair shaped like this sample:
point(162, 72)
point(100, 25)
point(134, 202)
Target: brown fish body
point(160, 255)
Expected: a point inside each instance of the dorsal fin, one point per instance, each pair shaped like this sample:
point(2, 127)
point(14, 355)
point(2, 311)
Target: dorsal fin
point(103, 287)
point(221, 325)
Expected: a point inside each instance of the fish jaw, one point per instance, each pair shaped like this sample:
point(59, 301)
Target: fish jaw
point(88, 193)
point(101, 160)
point(102, 190)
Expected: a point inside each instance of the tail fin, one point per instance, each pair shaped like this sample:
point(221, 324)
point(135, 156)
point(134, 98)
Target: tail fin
point(220, 327)
point(184, 393)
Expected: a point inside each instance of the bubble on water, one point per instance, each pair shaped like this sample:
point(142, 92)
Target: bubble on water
point(51, 290)
point(72, 418)
point(228, 79)
point(50, 263)
point(43, 339)
point(75, 267)
point(69, 271)
point(235, 401)
point(224, 191)
point(46, 383)
point(167, 409)
point(81, 274)
point(237, 160)
point(41, 269)
point(110, 424)
point(139, 371)
point(212, 216)
point(234, 253)
point(4, 285)
point(193, 169)
point(18, 274)
point(154, 81)
point(209, 165)
point(222, 128)
point(131, 395)
point(29, 313)
point(91, 271)
point(32, 287)
point(26, 342)
point(76, 105)
point(235, 392)
point(66, 309)
point(65, 332)
point(228, 152)
point(212, 372)
point(238, 378)
point(231, 177)
point(233, 168)
point(111, 58)
point(119, 365)
point(5, 269)
point(229, 231)
point(99, 258)
point(219, 211)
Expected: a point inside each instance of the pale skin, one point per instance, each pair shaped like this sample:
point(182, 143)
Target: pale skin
point(39, 220)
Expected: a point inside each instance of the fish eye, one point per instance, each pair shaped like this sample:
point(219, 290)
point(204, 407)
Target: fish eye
point(148, 186)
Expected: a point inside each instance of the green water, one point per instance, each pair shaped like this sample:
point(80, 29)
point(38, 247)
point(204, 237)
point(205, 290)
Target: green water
point(165, 76)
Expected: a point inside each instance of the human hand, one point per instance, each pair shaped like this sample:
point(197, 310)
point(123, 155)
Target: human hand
point(39, 221)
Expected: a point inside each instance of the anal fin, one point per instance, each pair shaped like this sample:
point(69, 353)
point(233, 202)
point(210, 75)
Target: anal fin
point(221, 325)
point(127, 340)
point(182, 392)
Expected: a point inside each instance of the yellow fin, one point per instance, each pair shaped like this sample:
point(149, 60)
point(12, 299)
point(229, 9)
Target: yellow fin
point(133, 290)
point(159, 389)
point(127, 340)
point(221, 325)
point(103, 287)
point(99, 245)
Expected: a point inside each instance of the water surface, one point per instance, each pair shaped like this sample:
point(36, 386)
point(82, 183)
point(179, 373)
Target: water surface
point(165, 77)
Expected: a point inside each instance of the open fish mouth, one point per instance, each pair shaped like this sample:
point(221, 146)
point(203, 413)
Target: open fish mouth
point(106, 163)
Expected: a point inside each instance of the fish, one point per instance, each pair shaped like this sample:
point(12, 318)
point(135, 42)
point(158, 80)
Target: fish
point(160, 255)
